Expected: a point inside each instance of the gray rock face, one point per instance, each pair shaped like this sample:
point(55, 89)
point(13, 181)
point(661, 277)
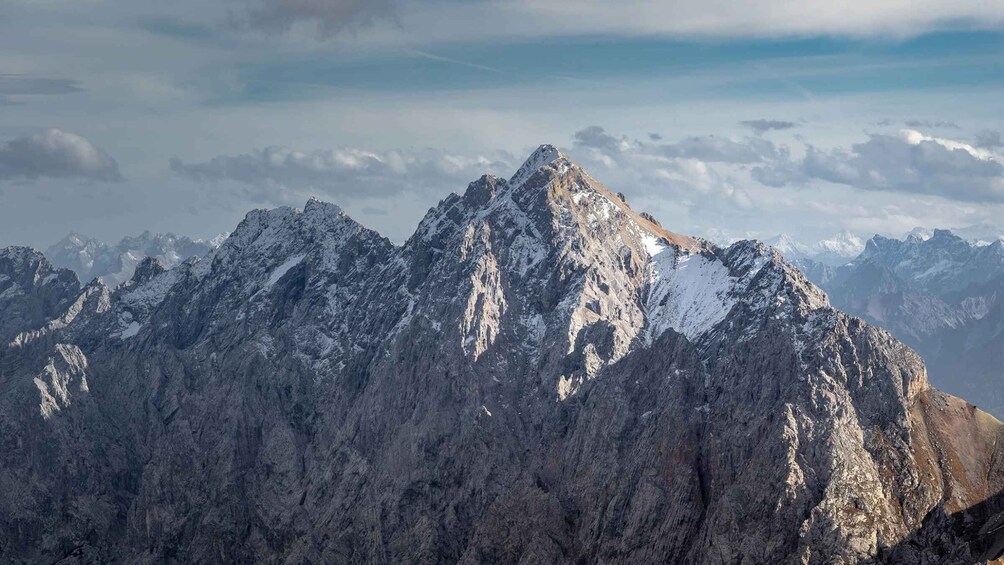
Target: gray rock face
point(32, 292)
point(539, 375)
point(943, 296)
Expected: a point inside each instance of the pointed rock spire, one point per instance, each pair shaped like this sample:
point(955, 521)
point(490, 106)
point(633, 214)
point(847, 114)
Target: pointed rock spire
point(541, 157)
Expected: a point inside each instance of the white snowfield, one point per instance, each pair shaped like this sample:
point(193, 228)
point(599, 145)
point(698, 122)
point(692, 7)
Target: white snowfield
point(281, 270)
point(689, 292)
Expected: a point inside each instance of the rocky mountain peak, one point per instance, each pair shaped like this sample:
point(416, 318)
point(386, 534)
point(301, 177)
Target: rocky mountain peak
point(540, 373)
point(482, 191)
point(146, 270)
point(545, 155)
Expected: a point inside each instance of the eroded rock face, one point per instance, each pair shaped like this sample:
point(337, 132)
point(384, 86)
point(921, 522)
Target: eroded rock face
point(942, 296)
point(540, 374)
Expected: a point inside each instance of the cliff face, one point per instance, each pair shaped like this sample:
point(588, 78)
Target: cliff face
point(942, 296)
point(539, 374)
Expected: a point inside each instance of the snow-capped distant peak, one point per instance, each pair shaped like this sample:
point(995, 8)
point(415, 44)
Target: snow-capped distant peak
point(919, 234)
point(788, 246)
point(115, 264)
point(844, 243)
point(979, 235)
point(215, 242)
point(835, 250)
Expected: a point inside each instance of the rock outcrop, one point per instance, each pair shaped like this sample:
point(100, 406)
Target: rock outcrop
point(942, 296)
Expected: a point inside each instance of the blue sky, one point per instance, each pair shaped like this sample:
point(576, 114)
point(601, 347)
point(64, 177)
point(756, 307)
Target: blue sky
point(117, 117)
point(765, 68)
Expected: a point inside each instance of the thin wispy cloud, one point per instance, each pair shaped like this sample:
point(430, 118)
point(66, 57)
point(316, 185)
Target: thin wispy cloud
point(931, 124)
point(761, 127)
point(324, 18)
point(25, 85)
point(452, 61)
point(440, 21)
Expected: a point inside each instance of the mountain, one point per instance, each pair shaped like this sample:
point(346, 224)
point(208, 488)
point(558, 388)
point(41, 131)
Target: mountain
point(789, 247)
point(838, 249)
point(942, 295)
point(90, 258)
point(978, 234)
point(833, 251)
point(538, 375)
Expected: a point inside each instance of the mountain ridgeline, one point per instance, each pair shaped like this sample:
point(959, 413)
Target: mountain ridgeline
point(942, 296)
point(115, 264)
point(538, 375)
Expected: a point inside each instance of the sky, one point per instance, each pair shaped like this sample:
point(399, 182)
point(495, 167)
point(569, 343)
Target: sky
point(720, 118)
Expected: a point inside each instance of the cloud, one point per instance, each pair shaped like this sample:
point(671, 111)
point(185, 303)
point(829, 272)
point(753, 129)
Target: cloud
point(344, 173)
point(22, 85)
point(761, 127)
point(909, 162)
point(446, 20)
point(928, 124)
point(56, 154)
point(424, 22)
point(717, 149)
point(989, 139)
point(682, 170)
point(595, 137)
point(707, 148)
point(16, 85)
point(326, 17)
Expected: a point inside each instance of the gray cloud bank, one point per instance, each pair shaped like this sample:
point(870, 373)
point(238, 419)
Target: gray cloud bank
point(909, 162)
point(56, 154)
point(345, 172)
point(989, 139)
point(328, 17)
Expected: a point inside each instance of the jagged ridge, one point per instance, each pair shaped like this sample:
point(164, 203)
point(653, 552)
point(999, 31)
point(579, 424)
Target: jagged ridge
point(539, 374)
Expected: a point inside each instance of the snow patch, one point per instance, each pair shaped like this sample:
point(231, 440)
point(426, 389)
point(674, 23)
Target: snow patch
point(688, 292)
point(283, 269)
point(131, 330)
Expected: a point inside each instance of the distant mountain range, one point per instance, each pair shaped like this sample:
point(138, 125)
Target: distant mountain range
point(938, 292)
point(845, 246)
point(90, 258)
point(836, 250)
point(979, 234)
